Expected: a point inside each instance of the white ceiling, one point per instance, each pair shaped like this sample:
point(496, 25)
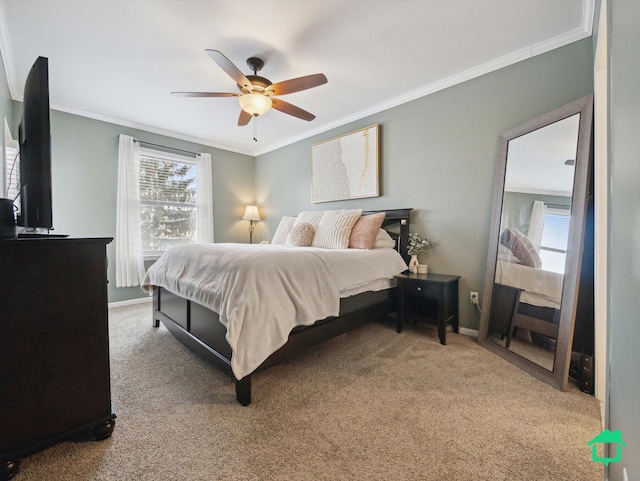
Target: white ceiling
point(537, 161)
point(118, 60)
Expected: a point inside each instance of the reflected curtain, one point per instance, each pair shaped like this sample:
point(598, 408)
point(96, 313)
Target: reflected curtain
point(129, 259)
point(536, 224)
point(204, 198)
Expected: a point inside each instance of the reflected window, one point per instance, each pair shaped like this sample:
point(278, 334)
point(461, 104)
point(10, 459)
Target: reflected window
point(555, 236)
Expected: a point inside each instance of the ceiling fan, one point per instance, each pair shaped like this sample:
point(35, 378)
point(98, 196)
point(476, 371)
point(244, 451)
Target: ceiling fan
point(257, 93)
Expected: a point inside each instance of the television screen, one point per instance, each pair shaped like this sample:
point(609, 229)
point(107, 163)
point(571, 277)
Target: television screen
point(35, 150)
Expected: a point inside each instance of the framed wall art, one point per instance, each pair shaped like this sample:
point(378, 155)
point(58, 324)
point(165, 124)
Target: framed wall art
point(345, 167)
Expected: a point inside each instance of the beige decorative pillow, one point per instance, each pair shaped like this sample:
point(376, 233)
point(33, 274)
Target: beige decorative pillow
point(364, 232)
point(334, 228)
point(280, 237)
point(301, 235)
point(383, 239)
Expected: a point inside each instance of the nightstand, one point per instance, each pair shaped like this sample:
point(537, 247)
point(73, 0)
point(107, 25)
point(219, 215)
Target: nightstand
point(431, 298)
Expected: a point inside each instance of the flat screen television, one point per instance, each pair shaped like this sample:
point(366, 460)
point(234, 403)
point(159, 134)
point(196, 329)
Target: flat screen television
point(34, 136)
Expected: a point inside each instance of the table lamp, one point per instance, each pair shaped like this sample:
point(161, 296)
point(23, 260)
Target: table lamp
point(251, 214)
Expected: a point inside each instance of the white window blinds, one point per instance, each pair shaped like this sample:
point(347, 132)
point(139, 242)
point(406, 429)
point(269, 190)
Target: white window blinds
point(555, 233)
point(167, 200)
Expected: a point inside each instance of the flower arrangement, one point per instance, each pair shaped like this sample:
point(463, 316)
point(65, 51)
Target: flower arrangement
point(418, 245)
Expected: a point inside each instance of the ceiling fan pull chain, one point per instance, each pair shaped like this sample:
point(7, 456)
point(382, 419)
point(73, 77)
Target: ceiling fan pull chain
point(255, 128)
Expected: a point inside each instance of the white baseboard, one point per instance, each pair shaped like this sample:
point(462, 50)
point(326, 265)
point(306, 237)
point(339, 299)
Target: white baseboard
point(131, 302)
point(468, 332)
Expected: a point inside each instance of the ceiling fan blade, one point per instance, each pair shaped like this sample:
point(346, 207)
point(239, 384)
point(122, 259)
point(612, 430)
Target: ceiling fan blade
point(227, 65)
point(244, 118)
point(298, 84)
point(204, 94)
point(290, 109)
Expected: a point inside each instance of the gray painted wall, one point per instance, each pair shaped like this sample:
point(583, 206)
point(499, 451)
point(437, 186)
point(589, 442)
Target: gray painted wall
point(624, 233)
point(84, 175)
point(438, 157)
point(6, 107)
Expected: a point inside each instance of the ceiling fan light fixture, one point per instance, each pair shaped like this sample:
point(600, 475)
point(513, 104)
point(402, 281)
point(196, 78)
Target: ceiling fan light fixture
point(255, 104)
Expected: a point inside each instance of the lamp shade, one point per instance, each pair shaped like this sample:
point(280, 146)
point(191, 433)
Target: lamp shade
point(255, 104)
point(251, 213)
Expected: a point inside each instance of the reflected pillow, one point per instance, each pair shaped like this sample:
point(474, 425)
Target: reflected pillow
point(504, 254)
point(364, 232)
point(521, 247)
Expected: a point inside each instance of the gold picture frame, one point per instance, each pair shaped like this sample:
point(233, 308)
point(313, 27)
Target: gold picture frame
point(346, 167)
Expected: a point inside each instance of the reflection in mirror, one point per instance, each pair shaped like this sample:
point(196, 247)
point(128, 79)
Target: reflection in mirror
point(537, 240)
point(534, 231)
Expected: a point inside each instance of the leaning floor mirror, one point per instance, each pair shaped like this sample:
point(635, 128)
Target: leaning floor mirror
point(536, 241)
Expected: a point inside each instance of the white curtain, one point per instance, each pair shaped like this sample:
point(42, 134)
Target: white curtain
point(204, 198)
point(536, 224)
point(129, 260)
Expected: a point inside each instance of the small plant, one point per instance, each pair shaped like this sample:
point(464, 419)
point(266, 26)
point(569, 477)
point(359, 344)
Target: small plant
point(418, 245)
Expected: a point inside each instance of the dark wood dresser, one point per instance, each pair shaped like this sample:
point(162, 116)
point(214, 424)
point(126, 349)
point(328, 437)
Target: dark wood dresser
point(54, 345)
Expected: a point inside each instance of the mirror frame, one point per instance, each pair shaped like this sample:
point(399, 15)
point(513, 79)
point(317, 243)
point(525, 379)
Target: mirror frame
point(559, 376)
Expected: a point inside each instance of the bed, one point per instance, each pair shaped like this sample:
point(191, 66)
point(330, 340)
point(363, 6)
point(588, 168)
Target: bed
point(532, 297)
point(242, 344)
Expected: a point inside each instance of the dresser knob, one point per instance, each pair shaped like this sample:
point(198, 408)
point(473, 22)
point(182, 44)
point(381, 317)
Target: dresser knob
point(419, 289)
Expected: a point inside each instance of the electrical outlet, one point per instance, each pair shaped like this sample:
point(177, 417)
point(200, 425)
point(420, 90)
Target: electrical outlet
point(473, 297)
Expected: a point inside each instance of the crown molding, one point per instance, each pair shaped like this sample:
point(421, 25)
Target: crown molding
point(491, 66)
point(146, 128)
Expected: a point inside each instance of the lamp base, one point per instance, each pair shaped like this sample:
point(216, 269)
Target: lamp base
point(251, 228)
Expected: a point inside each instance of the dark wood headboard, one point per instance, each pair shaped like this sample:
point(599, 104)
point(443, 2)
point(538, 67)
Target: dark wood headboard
point(393, 218)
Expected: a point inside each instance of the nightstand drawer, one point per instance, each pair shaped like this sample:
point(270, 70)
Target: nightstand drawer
point(421, 289)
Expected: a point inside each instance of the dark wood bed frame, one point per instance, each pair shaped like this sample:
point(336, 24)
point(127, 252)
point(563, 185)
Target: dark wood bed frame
point(509, 313)
point(199, 328)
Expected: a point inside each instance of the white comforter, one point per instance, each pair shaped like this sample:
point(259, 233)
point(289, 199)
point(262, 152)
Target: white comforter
point(540, 288)
point(261, 292)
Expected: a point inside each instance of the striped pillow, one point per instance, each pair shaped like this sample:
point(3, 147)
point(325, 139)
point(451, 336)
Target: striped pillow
point(334, 228)
point(310, 217)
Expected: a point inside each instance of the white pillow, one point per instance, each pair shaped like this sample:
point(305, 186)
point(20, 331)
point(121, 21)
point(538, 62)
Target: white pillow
point(334, 228)
point(309, 217)
point(284, 227)
point(383, 239)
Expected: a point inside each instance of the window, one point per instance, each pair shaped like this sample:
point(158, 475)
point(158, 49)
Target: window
point(167, 200)
point(11, 171)
point(555, 236)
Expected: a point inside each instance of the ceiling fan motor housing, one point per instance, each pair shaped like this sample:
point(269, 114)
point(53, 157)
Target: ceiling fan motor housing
point(258, 81)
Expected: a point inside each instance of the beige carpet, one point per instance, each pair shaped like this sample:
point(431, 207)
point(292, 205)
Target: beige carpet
point(369, 405)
